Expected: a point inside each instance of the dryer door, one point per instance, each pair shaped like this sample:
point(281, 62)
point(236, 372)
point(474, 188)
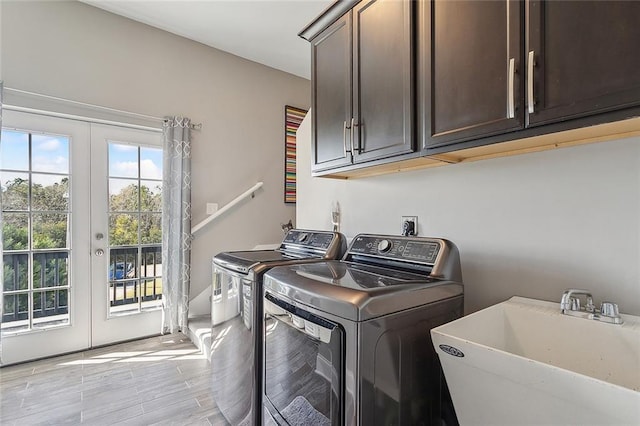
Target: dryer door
point(303, 359)
point(233, 346)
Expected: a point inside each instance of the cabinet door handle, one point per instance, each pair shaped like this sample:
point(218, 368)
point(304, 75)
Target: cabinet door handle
point(530, 64)
point(353, 128)
point(344, 138)
point(511, 107)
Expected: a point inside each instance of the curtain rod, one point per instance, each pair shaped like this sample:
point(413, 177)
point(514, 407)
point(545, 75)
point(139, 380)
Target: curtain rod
point(78, 117)
point(197, 126)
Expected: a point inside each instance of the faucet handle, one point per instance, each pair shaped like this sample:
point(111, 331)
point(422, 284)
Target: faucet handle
point(609, 313)
point(590, 307)
point(609, 309)
point(574, 304)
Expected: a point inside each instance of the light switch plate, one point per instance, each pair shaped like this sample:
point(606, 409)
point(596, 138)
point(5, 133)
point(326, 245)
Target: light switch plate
point(212, 208)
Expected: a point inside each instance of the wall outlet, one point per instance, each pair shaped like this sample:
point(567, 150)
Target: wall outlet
point(212, 208)
point(409, 225)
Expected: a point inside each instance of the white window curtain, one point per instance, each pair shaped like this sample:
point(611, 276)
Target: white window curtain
point(176, 224)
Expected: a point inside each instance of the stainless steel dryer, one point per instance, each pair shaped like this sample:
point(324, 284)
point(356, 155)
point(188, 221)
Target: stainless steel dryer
point(236, 315)
point(348, 343)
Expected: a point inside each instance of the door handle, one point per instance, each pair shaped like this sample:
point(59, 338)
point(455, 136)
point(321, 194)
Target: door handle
point(99, 252)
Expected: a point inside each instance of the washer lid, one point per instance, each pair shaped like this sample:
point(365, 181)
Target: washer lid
point(358, 277)
point(254, 256)
point(298, 245)
point(357, 292)
point(243, 261)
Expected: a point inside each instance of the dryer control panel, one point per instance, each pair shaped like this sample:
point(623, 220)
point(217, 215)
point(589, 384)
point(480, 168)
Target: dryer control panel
point(314, 239)
point(303, 243)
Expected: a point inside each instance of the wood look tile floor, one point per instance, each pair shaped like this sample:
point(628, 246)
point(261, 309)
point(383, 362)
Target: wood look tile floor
point(160, 380)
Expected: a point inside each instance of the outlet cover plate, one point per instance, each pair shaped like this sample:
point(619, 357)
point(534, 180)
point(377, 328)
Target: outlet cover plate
point(413, 219)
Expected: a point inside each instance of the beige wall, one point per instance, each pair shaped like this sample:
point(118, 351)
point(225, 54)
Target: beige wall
point(531, 225)
point(75, 51)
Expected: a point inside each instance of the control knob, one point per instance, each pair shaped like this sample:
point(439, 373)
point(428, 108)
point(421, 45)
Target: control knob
point(384, 246)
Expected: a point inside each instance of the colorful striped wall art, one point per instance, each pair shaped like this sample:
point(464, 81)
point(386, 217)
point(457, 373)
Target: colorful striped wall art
point(293, 117)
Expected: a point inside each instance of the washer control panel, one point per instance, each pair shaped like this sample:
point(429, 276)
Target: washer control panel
point(408, 249)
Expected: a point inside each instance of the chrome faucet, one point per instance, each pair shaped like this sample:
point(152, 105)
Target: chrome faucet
point(570, 305)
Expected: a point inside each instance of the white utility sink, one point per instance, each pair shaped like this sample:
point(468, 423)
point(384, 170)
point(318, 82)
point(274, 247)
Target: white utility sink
point(523, 362)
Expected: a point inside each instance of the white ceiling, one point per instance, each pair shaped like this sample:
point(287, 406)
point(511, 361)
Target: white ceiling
point(264, 31)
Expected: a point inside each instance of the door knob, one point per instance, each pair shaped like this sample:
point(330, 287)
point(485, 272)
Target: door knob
point(99, 252)
point(99, 236)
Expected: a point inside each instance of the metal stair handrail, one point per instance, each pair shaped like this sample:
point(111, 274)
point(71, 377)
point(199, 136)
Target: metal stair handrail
point(228, 206)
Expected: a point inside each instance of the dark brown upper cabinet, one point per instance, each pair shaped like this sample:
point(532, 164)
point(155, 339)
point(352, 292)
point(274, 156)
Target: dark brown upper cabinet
point(470, 70)
point(331, 95)
point(462, 79)
point(363, 85)
point(476, 81)
point(582, 58)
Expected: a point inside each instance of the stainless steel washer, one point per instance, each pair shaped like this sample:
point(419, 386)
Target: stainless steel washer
point(236, 315)
point(348, 343)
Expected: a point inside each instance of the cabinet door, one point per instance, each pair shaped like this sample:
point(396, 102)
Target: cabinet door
point(469, 70)
point(331, 95)
point(383, 79)
point(586, 58)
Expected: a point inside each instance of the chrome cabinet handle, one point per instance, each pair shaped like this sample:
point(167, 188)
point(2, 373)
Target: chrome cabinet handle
point(511, 107)
point(344, 138)
point(353, 128)
point(530, 64)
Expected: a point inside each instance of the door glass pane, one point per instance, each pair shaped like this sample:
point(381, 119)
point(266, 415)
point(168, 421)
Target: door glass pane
point(150, 163)
point(151, 228)
point(123, 160)
point(151, 196)
point(123, 229)
point(14, 150)
point(50, 269)
point(50, 230)
point(15, 271)
point(50, 154)
point(151, 272)
point(36, 222)
point(50, 308)
point(15, 312)
point(15, 231)
point(135, 228)
point(50, 192)
point(15, 190)
point(123, 195)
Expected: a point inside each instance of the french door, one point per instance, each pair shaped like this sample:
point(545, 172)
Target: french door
point(126, 233)
point(81, 235)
